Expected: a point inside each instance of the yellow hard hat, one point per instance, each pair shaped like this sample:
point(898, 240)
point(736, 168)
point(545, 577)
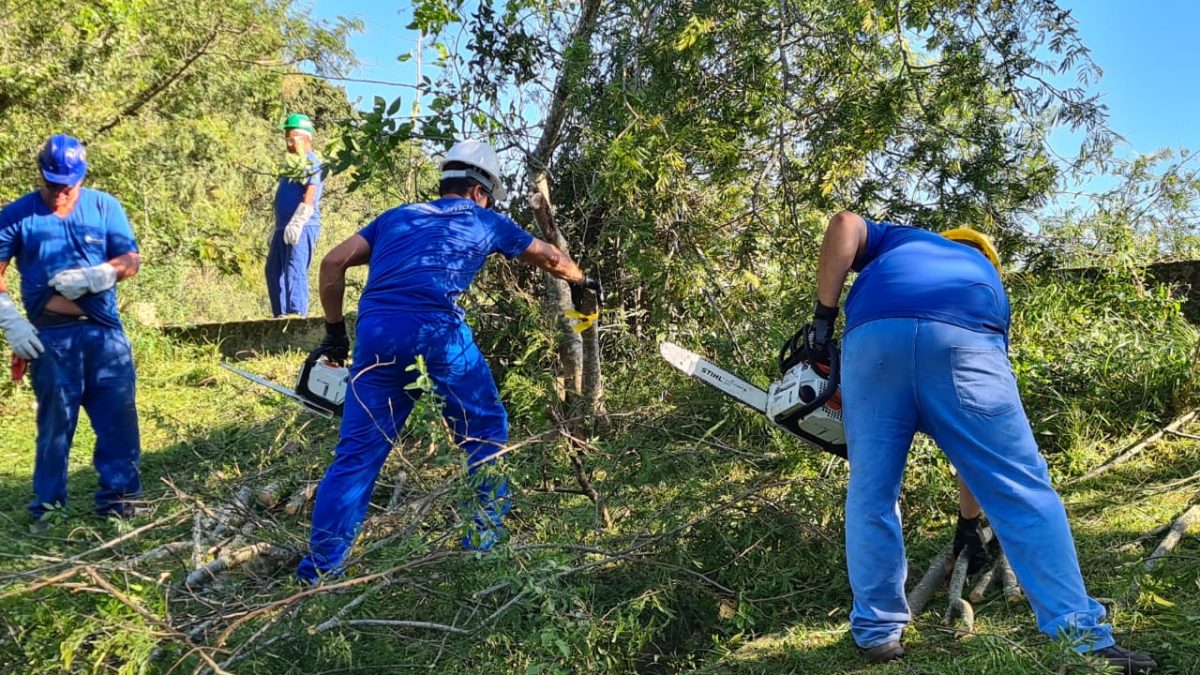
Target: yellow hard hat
point(976, 238)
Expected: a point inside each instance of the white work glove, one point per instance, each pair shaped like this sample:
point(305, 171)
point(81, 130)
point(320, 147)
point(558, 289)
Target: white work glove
point(73, 284)
point(21, 334)
point(295, 226)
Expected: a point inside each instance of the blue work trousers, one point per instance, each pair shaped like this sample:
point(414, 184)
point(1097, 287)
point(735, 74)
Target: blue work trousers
point(900, 376)
point(87, 365)
point(287, 272)
point(377, 404)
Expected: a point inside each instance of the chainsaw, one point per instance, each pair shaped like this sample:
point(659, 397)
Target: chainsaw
point(320, 386)
point(806, 402)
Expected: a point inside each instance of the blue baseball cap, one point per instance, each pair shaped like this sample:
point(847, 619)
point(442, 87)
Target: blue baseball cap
point(63, 160)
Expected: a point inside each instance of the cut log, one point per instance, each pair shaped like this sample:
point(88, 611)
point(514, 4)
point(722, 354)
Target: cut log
point(398, 491)
point(300, 498)
point(984, 584)
point(919, 596)
point(957, 607)
point(268, 496)
point(206, 574)
point(1012, 590)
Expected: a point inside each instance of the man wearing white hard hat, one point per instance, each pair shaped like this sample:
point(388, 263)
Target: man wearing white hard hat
point(421, 258)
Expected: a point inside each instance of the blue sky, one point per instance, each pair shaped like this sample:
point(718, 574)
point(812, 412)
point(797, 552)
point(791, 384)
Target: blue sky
point(1148, 50)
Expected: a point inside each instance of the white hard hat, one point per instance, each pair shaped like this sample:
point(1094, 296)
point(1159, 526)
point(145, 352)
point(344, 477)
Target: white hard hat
point(478, 155)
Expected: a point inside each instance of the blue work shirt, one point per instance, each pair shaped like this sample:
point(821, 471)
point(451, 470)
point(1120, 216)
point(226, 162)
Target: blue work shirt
point(423, 256)
point(910, 273)
point(290, 193)
point(43, 244)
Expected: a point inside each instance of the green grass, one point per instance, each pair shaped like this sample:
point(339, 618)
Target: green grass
point(725, 556)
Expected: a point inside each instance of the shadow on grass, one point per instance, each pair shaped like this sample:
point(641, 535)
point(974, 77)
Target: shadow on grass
point(210, 467)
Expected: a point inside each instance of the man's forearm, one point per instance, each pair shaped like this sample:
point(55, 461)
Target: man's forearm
point(332, 285)
point(560, 266)
point(547, 257)
point(126, 265)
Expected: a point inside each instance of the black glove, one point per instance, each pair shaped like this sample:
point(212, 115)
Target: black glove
point(588, 284)
point(968, 538)
point(335, 346)
point(820, 334)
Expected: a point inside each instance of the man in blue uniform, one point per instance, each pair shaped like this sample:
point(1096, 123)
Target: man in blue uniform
point(297, 224)
point(925, 348)
point(72, 245)
point(421, 258)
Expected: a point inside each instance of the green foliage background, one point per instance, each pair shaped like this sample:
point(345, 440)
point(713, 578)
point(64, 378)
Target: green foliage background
point(704, 144)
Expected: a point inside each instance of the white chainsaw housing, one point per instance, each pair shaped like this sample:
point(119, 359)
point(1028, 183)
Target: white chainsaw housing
point(790, 404)
point(325, 381)
point(322, 384)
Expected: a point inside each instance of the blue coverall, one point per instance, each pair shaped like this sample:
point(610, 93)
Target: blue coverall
point(423, 256)
point(87, 361)
point(287, 265)
point(925, 349)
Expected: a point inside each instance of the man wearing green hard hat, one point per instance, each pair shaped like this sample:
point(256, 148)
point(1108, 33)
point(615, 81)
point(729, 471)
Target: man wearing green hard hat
point(297, 223)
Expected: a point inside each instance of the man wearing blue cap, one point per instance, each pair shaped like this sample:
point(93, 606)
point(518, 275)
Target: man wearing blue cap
point(72, 245)
point(925, 348)
point(297, 224)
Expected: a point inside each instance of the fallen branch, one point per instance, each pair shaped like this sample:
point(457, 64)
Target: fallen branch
point(1180, 434)
point(1134, 449)
point(155, 554)
point(585, 485)
point(400, 624)
point(325, 588)
point(1174, 535)
point(197, 539)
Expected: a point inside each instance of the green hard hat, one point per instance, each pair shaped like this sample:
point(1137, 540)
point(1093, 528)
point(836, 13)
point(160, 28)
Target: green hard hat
point(298, 121)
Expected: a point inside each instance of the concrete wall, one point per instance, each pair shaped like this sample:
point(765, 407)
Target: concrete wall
point(247, 339)
point(1185, 274)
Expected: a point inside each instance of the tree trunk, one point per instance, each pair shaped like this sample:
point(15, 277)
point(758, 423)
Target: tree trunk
point(558, 302)
point(558, 296)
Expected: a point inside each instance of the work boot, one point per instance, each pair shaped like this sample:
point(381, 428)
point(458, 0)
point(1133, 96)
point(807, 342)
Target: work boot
point(888, 651)
point(1129, 662)
point(40, 526)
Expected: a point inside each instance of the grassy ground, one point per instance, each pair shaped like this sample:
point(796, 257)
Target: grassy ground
point(724, 555)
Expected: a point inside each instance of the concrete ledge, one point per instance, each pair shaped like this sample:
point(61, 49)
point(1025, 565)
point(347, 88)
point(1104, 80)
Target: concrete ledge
point(248, 339)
